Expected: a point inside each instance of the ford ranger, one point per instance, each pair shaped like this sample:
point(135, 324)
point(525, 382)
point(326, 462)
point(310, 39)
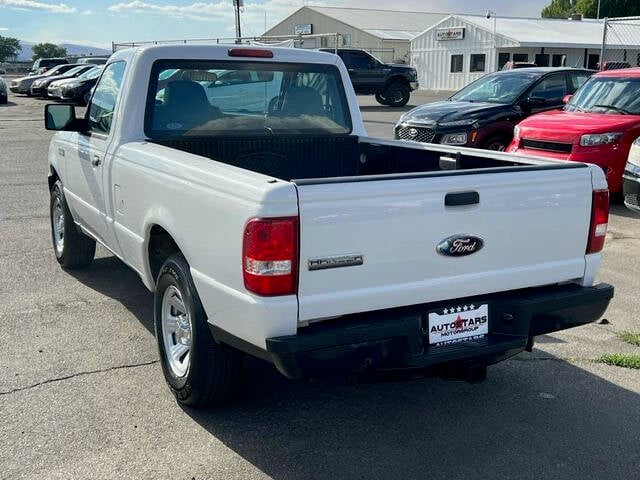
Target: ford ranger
point(240, 184)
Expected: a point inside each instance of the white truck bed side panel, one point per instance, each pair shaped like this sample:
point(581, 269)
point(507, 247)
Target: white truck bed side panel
point(204, 205)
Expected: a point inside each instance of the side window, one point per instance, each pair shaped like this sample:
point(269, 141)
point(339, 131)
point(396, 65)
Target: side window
point(358, 60)
point(104, 98)
point(456, 63)
point(477, 62)
point(577, 79)
point(552, 88)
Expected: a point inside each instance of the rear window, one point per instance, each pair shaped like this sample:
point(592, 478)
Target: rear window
point(232, 98)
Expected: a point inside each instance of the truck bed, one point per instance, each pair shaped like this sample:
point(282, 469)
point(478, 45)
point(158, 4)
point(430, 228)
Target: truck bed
point(309, 158)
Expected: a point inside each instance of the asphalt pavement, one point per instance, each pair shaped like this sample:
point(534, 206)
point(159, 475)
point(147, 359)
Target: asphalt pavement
point(82, 394)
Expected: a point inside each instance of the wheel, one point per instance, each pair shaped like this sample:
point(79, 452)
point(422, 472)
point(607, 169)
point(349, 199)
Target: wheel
point(498, 144)
point(199, 371)
point(4, 100)
point(380, 99)
point(397, 94)
point(73, 248)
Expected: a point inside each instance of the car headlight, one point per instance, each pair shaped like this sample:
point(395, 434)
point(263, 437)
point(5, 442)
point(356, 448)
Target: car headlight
point(459, 138)
point(634, 155)
point(593, 139)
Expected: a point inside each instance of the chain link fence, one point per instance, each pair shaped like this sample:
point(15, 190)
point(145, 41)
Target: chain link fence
point(620, 43)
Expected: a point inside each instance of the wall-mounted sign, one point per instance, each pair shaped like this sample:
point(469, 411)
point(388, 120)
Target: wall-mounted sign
point(303, 29)
point(452, 33)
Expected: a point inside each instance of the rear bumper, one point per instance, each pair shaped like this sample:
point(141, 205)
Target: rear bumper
point(396, 338)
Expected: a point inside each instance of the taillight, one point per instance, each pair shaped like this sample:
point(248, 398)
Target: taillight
point(599, 220)
point(270, 256)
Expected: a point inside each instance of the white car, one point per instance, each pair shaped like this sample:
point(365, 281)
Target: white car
point(279, 229)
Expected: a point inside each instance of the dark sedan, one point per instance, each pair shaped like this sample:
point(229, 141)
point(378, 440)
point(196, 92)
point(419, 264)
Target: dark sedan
point(39, 87)
point(483, 113)
point(77, 90)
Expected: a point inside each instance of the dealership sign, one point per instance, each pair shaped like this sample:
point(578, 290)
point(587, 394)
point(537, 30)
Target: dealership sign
point(303, 29)
point(453, 33)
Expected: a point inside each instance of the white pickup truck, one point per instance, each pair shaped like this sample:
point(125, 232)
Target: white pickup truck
point(240, 185)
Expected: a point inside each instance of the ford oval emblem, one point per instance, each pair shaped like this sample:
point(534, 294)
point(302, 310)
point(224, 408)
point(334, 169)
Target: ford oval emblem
point(460, 245)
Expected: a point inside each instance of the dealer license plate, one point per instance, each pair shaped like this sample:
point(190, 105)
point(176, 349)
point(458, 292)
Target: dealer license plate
point(457, 323)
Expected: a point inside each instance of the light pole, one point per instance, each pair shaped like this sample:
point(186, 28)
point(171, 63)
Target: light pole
point(598, 14)
point(490, 14)
point(237, 4)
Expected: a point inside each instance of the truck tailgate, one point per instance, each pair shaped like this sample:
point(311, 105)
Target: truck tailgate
point(534, 225)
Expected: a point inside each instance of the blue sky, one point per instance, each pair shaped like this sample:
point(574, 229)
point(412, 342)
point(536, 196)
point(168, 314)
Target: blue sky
point(98, 22)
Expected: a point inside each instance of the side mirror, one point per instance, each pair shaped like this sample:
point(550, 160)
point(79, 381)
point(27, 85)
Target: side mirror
point(62, 117)
point(567, 98)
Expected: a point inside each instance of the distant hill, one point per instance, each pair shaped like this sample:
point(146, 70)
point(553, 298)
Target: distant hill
point(72, 49)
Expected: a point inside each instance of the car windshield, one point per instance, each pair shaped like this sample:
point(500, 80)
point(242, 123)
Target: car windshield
point(207, 98)
point(607, 95)
point(497, 87)
point(91, 74)
point(74, 71)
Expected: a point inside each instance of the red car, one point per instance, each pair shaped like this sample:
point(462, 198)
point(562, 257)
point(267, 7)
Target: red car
point(597, 125)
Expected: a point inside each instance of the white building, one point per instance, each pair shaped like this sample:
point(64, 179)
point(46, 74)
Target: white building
point(386, 34)
point(462, 48)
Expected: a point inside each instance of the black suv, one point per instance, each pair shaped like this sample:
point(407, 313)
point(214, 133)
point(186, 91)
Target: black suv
point(390, 83)
point(483, 113)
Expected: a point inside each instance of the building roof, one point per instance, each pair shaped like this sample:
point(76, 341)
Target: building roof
point(545, 32)
point(384, 24)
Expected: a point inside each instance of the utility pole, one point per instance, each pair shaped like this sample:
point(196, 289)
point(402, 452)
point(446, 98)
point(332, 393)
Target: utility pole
point(237, 4)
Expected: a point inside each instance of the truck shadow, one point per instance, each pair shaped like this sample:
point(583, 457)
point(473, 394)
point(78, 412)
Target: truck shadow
point(535, 417)
point(532, 418)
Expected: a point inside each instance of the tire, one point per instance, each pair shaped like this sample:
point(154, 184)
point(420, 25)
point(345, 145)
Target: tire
point(4, 100)
point(397, 94)
point(73, 249)
point(201, 372)
point(380, 99)
point(497, 144)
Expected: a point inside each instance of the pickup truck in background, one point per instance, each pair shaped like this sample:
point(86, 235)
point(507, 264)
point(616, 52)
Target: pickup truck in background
point(276, 228)
point(392, 84)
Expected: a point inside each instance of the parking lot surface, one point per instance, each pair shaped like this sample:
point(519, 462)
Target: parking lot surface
point(82, 394)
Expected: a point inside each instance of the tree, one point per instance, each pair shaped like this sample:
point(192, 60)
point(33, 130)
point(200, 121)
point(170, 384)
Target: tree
point(9, 48)
point(48, 50)
point(558, 9)
point(589, 8)
point(610, 8)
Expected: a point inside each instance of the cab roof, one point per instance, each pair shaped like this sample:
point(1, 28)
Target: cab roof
point(622, 72)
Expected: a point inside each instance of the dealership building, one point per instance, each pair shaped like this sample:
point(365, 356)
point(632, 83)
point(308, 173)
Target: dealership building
point(451, 50)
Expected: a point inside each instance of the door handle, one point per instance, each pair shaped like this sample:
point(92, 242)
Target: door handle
point(96, 161)
point(61, 151)
point(462, 198)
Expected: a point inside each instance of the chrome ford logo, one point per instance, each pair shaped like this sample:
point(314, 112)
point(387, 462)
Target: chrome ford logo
point(413, 132)
point(460, 245)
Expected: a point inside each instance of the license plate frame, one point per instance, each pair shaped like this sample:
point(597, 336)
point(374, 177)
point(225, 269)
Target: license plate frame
point(458, 323)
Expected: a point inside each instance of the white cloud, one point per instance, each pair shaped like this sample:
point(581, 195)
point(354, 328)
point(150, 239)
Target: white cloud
point(3, 29)
point(33, 5)
point(199, 10)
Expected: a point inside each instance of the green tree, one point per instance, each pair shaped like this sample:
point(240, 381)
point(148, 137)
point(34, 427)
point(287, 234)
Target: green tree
point(614, 8)
point(9, 48)
point(589, 8)
point(48, 50)
point(558, 9)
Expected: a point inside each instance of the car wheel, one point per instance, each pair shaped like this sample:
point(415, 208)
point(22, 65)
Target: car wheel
point(380, 99)
point(497, 144)
point(397, 95)
point(4, 100)
point(199, 371)
point(73, 248)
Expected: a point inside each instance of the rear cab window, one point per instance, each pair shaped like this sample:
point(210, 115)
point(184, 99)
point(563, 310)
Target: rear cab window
point(234, 98)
